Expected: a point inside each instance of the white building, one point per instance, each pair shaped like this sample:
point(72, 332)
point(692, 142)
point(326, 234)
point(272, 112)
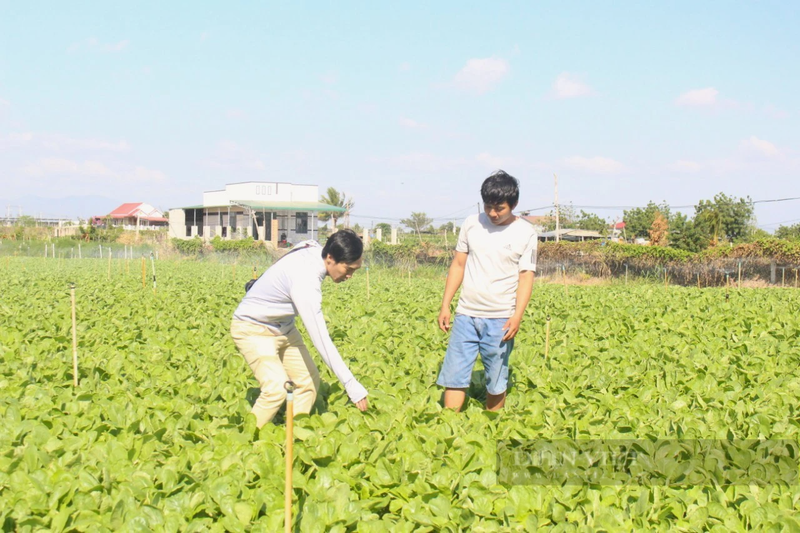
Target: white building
point(266, 211)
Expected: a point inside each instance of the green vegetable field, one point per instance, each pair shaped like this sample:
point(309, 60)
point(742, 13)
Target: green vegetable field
point(157, 436)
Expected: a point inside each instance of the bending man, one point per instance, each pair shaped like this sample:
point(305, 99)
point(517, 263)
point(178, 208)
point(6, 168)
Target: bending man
point(264, 330)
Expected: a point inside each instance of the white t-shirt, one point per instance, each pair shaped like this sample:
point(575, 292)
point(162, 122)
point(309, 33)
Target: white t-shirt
point(496, 256)
point(291, 287)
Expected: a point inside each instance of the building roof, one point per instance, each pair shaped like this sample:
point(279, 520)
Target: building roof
point(125, 210)
point(275, 206)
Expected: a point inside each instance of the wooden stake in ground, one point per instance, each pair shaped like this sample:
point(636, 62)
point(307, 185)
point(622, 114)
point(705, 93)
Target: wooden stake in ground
point(288, 490)
point(74, 338)
point(666, 279)
point(740, 276)
point(698, 280)
point(153, 264)
point(547, 339)
point(144, 271)
point(109, 263)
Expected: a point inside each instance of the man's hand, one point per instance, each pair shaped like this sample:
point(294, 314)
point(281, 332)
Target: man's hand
point(511, 327)
point(362, 404)
point(444, 319)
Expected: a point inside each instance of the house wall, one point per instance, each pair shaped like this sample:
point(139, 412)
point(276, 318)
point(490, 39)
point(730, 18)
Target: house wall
point(177, 223)
point(263, 192)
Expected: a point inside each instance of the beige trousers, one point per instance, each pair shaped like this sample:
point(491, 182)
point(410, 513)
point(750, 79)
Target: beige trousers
point(274, 359)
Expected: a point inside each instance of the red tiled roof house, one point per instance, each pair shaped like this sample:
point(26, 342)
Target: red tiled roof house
point(132, 215)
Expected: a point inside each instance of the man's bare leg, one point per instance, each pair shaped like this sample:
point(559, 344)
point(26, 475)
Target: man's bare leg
point(495, 402)
point(454, 398)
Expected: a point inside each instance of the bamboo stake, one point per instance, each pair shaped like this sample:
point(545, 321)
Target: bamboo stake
point(666, 279)
point(740, 276)
point(698, 280)
point(109, 263)
point(289, 386)
point(153, 264)
point(547, 339)
point(144, 271)
point(80, 255)
point(783, 276)
point(74, 338)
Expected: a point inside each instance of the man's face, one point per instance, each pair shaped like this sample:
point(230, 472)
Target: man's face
point(499, 214)
point(340, 272)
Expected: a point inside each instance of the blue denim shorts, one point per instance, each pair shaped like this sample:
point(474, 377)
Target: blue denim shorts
point(469, 337)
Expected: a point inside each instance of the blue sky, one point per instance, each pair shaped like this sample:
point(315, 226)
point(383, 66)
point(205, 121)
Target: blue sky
point(404, 106)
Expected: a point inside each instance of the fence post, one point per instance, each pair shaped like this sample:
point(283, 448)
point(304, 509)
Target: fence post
point(773, 272)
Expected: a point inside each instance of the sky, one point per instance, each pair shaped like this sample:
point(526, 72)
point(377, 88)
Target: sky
point(404, 106)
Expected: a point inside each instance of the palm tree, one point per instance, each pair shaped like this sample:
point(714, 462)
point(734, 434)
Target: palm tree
point(338, 199)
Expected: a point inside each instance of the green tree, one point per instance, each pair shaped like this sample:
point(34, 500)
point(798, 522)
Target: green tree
point(337, 199)
point(417, 222)
point(26, 221)
point(725, 217)
point(449, 227)
point(639, 220)
point(684, 235)
point(386, 229)
point(789, 233)
point(567, 218)
point(591, 222)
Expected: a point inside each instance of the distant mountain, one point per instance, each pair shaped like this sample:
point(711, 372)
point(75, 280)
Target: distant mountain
point(67, 207)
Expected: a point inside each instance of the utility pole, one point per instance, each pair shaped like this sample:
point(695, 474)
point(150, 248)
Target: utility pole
point(558, 221)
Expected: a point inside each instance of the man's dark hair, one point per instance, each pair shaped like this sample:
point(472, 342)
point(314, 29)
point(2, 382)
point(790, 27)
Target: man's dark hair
point(343, 246)
point(499, 188)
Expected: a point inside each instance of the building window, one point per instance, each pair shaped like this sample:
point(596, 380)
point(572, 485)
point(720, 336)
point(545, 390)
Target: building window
point(301, 223)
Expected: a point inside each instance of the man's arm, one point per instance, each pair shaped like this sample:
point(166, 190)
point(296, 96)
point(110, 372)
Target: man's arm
point(524, 289)
point(454, 278)
point(308, 301)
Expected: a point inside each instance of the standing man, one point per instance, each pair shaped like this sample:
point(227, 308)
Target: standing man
point(263, 326)
point(495, 259)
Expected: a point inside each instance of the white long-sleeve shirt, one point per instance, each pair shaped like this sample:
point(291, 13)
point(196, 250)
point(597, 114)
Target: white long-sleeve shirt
point(291, 287)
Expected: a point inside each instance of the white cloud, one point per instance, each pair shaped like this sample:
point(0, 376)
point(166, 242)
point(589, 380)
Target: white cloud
point(92, 43)
point(61, 143)
point(569, 86)
point(698, 98)
point(235, 114)
point(760, 146)
point(772, 111)
point(597, 165)
point(230, 155)
point(494, 162)
point(411, 124)
point(56, 166)
point(481, 75)
point(423, 162)
point(117, 47)
point(88, 172)
point(685, 166)
point(329, 78)
point(142, 174)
